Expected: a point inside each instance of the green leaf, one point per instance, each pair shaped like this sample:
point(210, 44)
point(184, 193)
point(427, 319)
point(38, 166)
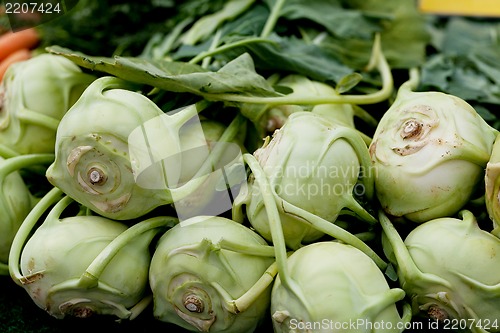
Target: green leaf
point(486, 60)
point(236, 77)
point(293, 55)
point(462, 36)
point(207, 25)
point(338, 20)
point(348, 82)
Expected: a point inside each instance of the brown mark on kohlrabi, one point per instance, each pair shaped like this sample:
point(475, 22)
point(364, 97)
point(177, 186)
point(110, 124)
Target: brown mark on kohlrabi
point(437, 313)
point(193, 303)
point(407, 150)
point(74, 158)
point(75, 308)
point(82, 312)
point(411, 129)
point(112, 206)
point(96, 176)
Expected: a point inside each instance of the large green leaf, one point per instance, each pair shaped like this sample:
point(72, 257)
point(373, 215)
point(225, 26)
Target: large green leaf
point(236, 77)
point(293, 55)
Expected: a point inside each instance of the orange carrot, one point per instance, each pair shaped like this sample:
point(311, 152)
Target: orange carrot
point(19, 55)
point(13, 41)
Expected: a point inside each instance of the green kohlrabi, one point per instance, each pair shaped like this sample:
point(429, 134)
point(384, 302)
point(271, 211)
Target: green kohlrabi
point(315, 284)
point(84, 265)
point(92, 163)
point(34, 96)
point(429, 152)
point(315, 165)
point(450, 270)
point(211, 274)
point(340, 285)
point(16, 200)
point(120, 155)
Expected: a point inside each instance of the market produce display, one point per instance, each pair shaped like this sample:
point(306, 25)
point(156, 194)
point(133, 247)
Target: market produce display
point(245, 166)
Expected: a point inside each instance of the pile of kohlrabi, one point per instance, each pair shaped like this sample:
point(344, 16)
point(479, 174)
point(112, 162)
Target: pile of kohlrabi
point(200, 186)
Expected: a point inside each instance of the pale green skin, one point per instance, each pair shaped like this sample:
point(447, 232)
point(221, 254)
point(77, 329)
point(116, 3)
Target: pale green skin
point(449, 268)
point(492, 186)
point(34, 96)
point(58, 254)
point(432, 173)
point(339, 284)
point(16, 202)
point(313, 164)
point(302, 86)
point(200, 199)
point(188, 260)
point(93, 135)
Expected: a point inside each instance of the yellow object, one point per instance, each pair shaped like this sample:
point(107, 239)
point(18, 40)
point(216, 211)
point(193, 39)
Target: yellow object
point(461, 7)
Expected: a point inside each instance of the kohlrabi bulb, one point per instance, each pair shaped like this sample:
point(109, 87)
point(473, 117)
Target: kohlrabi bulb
point(450, 269)
point(429, 152)
point(16, 200)
point(34, 96)
point(93, 163)
point(316, 165)
point(196, 282)
point(56, 257)
point(341, 290)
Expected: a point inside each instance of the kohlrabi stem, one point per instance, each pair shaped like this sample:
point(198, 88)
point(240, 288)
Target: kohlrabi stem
point(140, 306)
point(90, 278)
point(229, 46)
point(407, 313)
point(213, 46)
point(331, 229)
point(360, 211)
point(365, 236)
point(383, 94)
point(168, 43)
point(272, 18)
point(22, 161)
point(268, 28)
point(243, 302)
point(405, 265)
point(231, 131)
point(7, 152)
point(35, 118)
point(365, 116)
point(273, 217)
point(411, 84)
point(365, 163)
point(187, 113)
point(24, 231)
point(381, 301)
point(367, 139)
point(276, 229)
point(54, 215)
point(470, 152)
point(253, 250)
